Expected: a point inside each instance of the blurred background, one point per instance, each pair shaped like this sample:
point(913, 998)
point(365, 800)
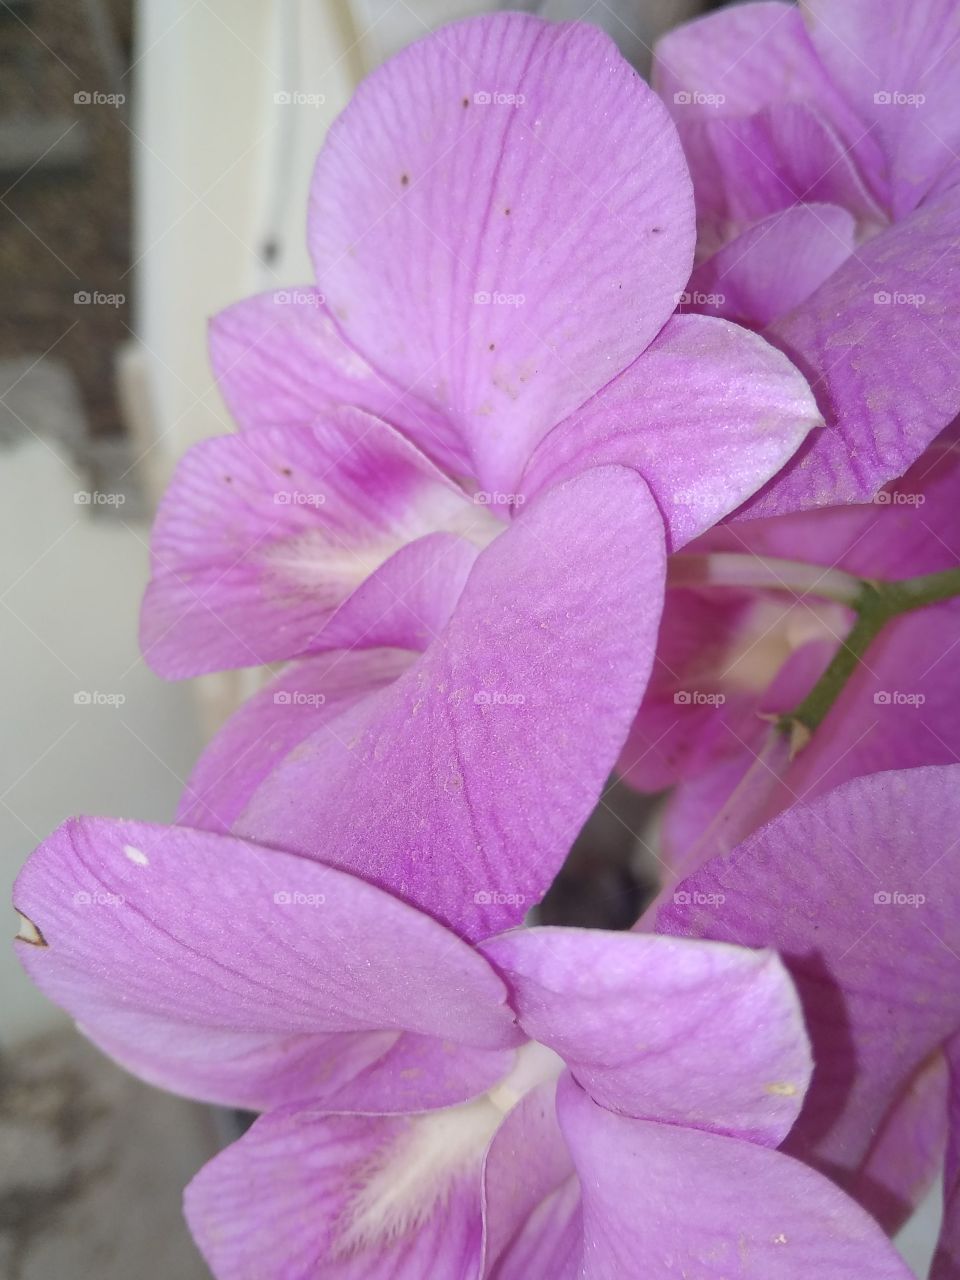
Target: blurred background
point(155, 157)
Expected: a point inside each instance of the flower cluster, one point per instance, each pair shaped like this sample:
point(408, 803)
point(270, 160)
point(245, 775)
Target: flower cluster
point(607, 438)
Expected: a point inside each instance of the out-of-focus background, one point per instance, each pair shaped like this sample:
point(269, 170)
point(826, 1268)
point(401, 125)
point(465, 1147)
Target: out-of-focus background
point(155, 157)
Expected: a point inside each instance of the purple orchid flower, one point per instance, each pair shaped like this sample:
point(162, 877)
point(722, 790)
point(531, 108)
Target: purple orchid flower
point(708, 710)
point(501, 224)
point(555, 1102)
point(858, 891)
point(322, 530)
point(823, 143)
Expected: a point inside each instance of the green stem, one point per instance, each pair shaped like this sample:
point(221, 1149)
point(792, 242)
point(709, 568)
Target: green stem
point(877, 604)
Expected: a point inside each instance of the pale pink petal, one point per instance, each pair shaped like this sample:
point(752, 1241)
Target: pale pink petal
point(262, 536)
point(212, 967)
point(897, 68)
point(663, 1200)
point(501, 220)
point(280, 360)
point(706, 415)
point(879, 343)
point(774, 265)
point(706, 1036)
point(305, 1194)
point(874, 957)
point(408, 788)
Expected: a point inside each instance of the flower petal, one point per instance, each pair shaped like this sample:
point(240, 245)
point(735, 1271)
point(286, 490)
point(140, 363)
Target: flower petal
point(879, 343)
point(659, 1200)
point(775, 265)
point(230, 985)
point(349, 1197)
point(898, 70)
point(727, 66)
point(409, 791)
point(532, 1224)
point(280, 360)
point(874, 959)
point(706, 415)
point(501, 219)
point(261, 536)
point(267, 727)
point(710, 1037)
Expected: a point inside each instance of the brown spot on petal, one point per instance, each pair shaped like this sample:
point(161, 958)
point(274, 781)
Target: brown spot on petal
point(466, 102)
point(29, 933)
point(404, 179)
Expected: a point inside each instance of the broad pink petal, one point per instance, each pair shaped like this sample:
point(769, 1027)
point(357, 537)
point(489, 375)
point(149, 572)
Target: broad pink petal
point(879, 343)
point(773, 266)
point(300, 1195)
point(874, 958)
point(531, 1196)
point(501, 219)
point(308, 696)
point(280, 360)
point(907, 1153)
point(662, 1200)
point(898, 68)
point(211, 966)
point(408, 788)
point(706, 415)
point(743, 59)
point(262, 536)
point(710, 1037)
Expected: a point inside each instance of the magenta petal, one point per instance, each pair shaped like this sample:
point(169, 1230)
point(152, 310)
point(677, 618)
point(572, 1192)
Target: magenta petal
point(705, 1036)
point(773, 266)
point(174, 966)
point(261, 536)
point(898, 69)
point(874, 959)
point(267, 727)
point(298, 1196)
point(662, 1200)
point(532, 1224)
point(878, 342)
point(409, 791)
point(281, 361)
point(706, 415)
point(501, 219)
